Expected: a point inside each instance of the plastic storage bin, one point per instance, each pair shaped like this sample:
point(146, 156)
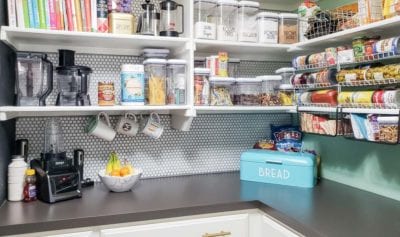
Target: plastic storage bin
point(248, 21)
point(286, 94)
point(227, 20)
point(176, 81)
point(268, 25)
point(155, 80)
point(204, 21)
point(286, 73)
point(270, 90)
point(221, 91)
point(201, 86)
point(288, 28)
point(285, 168)
point(247, 91)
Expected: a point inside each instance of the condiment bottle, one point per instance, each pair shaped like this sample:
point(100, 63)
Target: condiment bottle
point(30, 186)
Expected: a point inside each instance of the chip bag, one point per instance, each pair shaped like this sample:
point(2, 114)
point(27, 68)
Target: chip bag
point(287, 137)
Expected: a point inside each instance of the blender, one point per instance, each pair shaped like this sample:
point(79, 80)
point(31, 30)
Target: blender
point(169, 18)
point(34, 81)
point(73, 81)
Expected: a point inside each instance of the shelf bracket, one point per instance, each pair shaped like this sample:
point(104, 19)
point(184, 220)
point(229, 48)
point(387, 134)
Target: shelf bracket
point(183, 120)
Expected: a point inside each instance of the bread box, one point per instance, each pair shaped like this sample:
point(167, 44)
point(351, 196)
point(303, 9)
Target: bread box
point(286, 168)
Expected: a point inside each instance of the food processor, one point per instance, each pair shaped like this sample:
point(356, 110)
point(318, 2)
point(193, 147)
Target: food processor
point(73, 81)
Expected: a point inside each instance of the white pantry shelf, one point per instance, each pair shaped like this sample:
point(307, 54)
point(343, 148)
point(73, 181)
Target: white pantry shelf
point(317, 109)
point(87, 42)
point(385, 28)
point(371, 111)
point(244, 109)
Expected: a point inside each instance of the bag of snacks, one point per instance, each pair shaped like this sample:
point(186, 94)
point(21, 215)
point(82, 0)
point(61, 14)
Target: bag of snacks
point(287, 137)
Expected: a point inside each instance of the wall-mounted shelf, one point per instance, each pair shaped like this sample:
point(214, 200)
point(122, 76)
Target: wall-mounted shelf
point(86, 42)
point(322, 109)
point(244, 109)
point(370, 111)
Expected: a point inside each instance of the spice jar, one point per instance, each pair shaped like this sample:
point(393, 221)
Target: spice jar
point(227, 20)
point(247, 91)
point(132, 84)
point(268, 25)
point(248, 21)
point(288, 28)
point(204, 18)
point(201, 86)
point(155, 81)
point(269, 92)
point(176, 81)
point(221, 91)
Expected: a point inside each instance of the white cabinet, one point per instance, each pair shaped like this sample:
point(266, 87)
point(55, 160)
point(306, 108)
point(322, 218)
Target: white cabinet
point(262, 225)
point(78, 234)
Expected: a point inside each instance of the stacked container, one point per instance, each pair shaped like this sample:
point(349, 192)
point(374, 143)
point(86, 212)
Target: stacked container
point(204, 21)
point(270, 90)
point(155, 79)
point(176, 81)
point(221, 91)
point(288, 28)
point(248, 21)
point(268, 25)
point(247, 91)
point(201, 86)
point(227, 20)
point(286, 73)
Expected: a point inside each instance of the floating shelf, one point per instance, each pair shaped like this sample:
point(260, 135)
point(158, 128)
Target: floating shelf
point(86, 42)
point(244, 109)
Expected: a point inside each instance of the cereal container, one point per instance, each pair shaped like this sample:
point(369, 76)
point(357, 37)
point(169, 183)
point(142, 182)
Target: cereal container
point(132, 84)
point(221, 91)
point(247, 91)
point(176, 81)
point(248, 21)
point(268, 24)
point(155, 79)
point(201, 86)
point(269, 92)
point(227, 20)
point(288, 28)
point(204, 19)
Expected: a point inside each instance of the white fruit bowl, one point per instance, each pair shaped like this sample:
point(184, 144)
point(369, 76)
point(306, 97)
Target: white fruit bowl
point(120, 184)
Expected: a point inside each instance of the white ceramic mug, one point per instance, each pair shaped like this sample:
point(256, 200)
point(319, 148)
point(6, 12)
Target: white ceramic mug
point(128, 125)
point(153, 127)
point(101, 128)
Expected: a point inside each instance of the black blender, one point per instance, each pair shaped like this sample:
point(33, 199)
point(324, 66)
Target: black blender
point(73, 81)
point(169, 18)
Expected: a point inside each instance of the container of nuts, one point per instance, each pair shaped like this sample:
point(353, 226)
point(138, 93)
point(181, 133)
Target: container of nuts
point(247, 91)
point(269, 90)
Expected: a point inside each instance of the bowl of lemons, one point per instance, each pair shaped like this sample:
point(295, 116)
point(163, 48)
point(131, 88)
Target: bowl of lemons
point(117, 177)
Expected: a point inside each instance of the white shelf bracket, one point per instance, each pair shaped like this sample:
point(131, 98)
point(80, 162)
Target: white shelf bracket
point(182, 121)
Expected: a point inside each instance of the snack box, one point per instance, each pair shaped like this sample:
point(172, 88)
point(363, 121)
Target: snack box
point(285, 168)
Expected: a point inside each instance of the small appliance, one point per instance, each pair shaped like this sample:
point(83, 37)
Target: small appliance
point(170, 18)
point(34, 78)
point(149, 20)
point(73, 81)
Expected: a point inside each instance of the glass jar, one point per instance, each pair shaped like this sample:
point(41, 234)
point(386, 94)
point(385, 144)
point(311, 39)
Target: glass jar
point(248, 21)
point(286, 73)
point(268, 24)
point(221, 91)
point(247, 91)
point(286, 94)
point(204, 19)
point(176, 82)
point(155, 80)
point(227, 20)
point(201, 86)
point(288, 28)
point(269, 90)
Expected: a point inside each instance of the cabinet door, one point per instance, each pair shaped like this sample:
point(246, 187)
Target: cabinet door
point(78, 234)
point(271, 228)
point(223, 226)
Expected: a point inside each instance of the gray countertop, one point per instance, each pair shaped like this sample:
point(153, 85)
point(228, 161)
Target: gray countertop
point(329, 209)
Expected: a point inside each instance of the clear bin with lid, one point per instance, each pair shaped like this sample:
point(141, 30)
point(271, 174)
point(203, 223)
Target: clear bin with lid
point(268, 25)
point(155, 81)
point(221, 91)
point(286, 94)
point(176, 81)
point(270, 90)
point(288, 28)
point(248, 21)
point(286, 73)
point(234, 67)
point(205, 19)
point(227, 20)
point(247, 91)
point(201, 86)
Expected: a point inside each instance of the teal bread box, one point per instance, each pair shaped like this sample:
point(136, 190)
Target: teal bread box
point(286, 168)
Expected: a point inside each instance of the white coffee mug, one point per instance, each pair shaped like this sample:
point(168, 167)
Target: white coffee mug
point(101, 128)
point(128, 125)
point(153, 127)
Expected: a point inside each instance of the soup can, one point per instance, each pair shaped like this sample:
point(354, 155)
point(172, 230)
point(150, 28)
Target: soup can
point(377, 97)
point(345, 97)
point(391, 97)
point(363, 97)
point(106, 93)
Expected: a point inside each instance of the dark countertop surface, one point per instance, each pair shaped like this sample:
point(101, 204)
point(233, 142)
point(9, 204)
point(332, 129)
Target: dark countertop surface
point(330, 209)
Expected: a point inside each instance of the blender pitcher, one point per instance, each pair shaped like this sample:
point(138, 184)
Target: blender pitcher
point(169, 18)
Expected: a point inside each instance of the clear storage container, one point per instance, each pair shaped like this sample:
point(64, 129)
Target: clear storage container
point(288, 28)
point(286, 94)
point(221, 91)
point(204, 21)
point(286, 73)
point(201, 86)
point(248, 21)
point(227, 20)
point(155, 80)
point(233, 67)
point(176, 81)
point(270, 90)
point(268, 24)
point(247, 91)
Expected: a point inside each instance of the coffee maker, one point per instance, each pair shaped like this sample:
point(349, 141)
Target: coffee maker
point(73, 81)
point(149, 20)
point(58, 176)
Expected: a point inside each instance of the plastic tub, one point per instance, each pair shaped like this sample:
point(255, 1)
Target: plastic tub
point(247, 26)
point(288, 28)
point(221, 91)
point(247, 91)
point(268, 25)
point(286, 94)
point(269, 90)
point(227, 20)
point(204, 19)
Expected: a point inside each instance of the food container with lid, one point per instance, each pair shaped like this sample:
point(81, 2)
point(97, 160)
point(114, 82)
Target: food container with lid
point(288, 28)
point(286, 73)
point(201, 86)
point(233, 67)
point(155, 81)
point(227, 20)
point(269, 90)
point(268, 24)
point(132, 84)
point(247, 91)
point(248, 21)
point(286, 94)
point(221, 91)
point(204, 19)
point(155, 53)
point(176, 81)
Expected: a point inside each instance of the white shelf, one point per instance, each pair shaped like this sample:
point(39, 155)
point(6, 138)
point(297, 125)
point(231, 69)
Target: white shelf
point(244, 109)
point(10, 112)
point(371, 111)
point(384, 28)
point(242, 50)
point(86, 42)
point(317, 109)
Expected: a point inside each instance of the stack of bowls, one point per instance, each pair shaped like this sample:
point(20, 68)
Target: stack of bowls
point(16, 178)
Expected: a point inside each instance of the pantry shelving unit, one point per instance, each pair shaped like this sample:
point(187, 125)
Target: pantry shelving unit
point(244, 109)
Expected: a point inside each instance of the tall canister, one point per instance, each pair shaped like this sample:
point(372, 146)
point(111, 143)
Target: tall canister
point(248, 21)
point(205, 19)
point(227, 20)
point(176, 81)
point(155, 80)
point(268, 24)
point(132, 84)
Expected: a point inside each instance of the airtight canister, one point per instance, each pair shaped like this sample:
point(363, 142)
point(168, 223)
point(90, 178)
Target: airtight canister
point(132, 84)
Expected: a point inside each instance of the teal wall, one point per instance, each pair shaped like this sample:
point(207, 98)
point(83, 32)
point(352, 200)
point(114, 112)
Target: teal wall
point(329, 4)
point(368, 166)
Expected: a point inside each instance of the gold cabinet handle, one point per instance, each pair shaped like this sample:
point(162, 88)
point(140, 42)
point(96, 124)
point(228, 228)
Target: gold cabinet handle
point(222, 233)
